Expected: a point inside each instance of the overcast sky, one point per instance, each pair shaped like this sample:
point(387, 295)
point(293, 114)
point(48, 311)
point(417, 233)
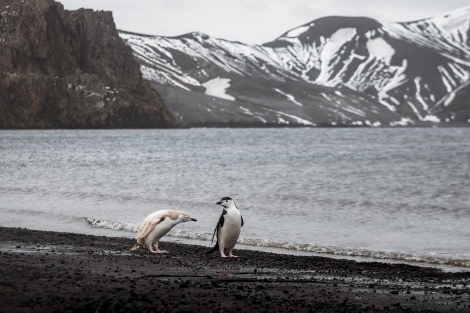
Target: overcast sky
point(252, 21)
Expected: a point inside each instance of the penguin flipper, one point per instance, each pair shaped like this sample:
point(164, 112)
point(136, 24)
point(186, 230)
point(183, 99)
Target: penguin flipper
point(216, 232)
point(147, 226)
point(222, 219)
point(220, 223)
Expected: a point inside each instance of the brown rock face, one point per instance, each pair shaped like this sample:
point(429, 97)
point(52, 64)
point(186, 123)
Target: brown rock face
point(70, 69)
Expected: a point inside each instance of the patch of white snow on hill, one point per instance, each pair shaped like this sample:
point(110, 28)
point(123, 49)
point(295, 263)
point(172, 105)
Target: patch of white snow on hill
point(431, 118)
point(217, 87)
point(455, 21)
point(379, 48)
point(403, 122)
point(396, 80)
point(447, 79)
point(459, 71)
point(449, 99)
point(297, 31)
point(289, 97)
point(353, 110)
point(248, 112)
point(299, 120)
point(165, 78)
point(418, 93)
point(331, 47)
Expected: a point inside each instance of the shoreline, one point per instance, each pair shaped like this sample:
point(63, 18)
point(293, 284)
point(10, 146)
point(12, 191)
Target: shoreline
point(53, 271)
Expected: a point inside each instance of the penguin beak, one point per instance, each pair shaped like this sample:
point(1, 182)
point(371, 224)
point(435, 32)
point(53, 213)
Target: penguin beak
point(219, 202)
point(193, 219)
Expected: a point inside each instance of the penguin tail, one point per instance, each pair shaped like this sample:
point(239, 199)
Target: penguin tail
point(135, 247)
point(215, 248)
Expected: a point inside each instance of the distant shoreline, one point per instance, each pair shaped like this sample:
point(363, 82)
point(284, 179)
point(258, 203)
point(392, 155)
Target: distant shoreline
point(252, 126)
point(49, 271)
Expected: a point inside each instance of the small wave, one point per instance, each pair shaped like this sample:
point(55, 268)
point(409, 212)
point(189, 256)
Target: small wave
point(189, 235)
point(297, 247)
point(127, 227)
point(357, 252)
point(118, 226)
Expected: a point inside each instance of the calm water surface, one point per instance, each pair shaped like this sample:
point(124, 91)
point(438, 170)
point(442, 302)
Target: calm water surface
point(400, 194)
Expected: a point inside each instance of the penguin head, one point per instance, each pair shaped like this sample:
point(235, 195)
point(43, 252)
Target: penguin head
point(225, 202)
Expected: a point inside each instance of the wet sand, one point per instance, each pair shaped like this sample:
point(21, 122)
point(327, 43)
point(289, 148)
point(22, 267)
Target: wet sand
point(63, 272)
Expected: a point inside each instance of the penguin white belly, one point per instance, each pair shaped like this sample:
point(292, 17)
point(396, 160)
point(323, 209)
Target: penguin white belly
point(230, 231)
point(158, 232)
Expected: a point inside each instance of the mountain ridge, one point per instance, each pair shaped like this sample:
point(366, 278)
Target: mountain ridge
point(344, 71)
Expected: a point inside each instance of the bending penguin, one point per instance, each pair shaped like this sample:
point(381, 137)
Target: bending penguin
point(156, 225)
point(228, 228)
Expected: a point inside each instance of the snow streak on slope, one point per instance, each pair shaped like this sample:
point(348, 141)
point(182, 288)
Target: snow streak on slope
point(328, 56)
point(447, 33)
point(195, 58)
point(289, 97)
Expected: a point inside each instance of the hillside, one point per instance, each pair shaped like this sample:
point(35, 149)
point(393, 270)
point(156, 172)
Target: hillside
point(333, 71)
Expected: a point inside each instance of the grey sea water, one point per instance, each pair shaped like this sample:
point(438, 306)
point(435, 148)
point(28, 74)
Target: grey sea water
point(383, 193)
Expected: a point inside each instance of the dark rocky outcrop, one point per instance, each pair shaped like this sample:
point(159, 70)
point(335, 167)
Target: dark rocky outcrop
point(70, 69)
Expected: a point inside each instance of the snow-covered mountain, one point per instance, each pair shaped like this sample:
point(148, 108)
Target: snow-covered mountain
point(333, 71)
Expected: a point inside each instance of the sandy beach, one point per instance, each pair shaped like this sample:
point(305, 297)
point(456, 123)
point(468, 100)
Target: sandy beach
point(64, 272)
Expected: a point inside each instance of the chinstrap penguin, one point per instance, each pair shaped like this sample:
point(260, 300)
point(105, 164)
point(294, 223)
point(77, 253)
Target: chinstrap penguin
point(228, 228)
point(156, 225)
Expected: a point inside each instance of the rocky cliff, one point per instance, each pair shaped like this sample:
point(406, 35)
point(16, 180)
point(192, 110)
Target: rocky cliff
point(70, 69)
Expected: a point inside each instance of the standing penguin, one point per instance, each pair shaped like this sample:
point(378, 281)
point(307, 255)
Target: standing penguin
point(156, 225)
point(228, 228)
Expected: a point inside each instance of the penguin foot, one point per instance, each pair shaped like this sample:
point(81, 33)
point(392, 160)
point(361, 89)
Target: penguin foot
point(231, 255)
point(158, 251)
point(155, 249)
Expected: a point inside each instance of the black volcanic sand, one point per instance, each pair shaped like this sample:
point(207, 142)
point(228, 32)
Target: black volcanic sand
point(62, 272)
